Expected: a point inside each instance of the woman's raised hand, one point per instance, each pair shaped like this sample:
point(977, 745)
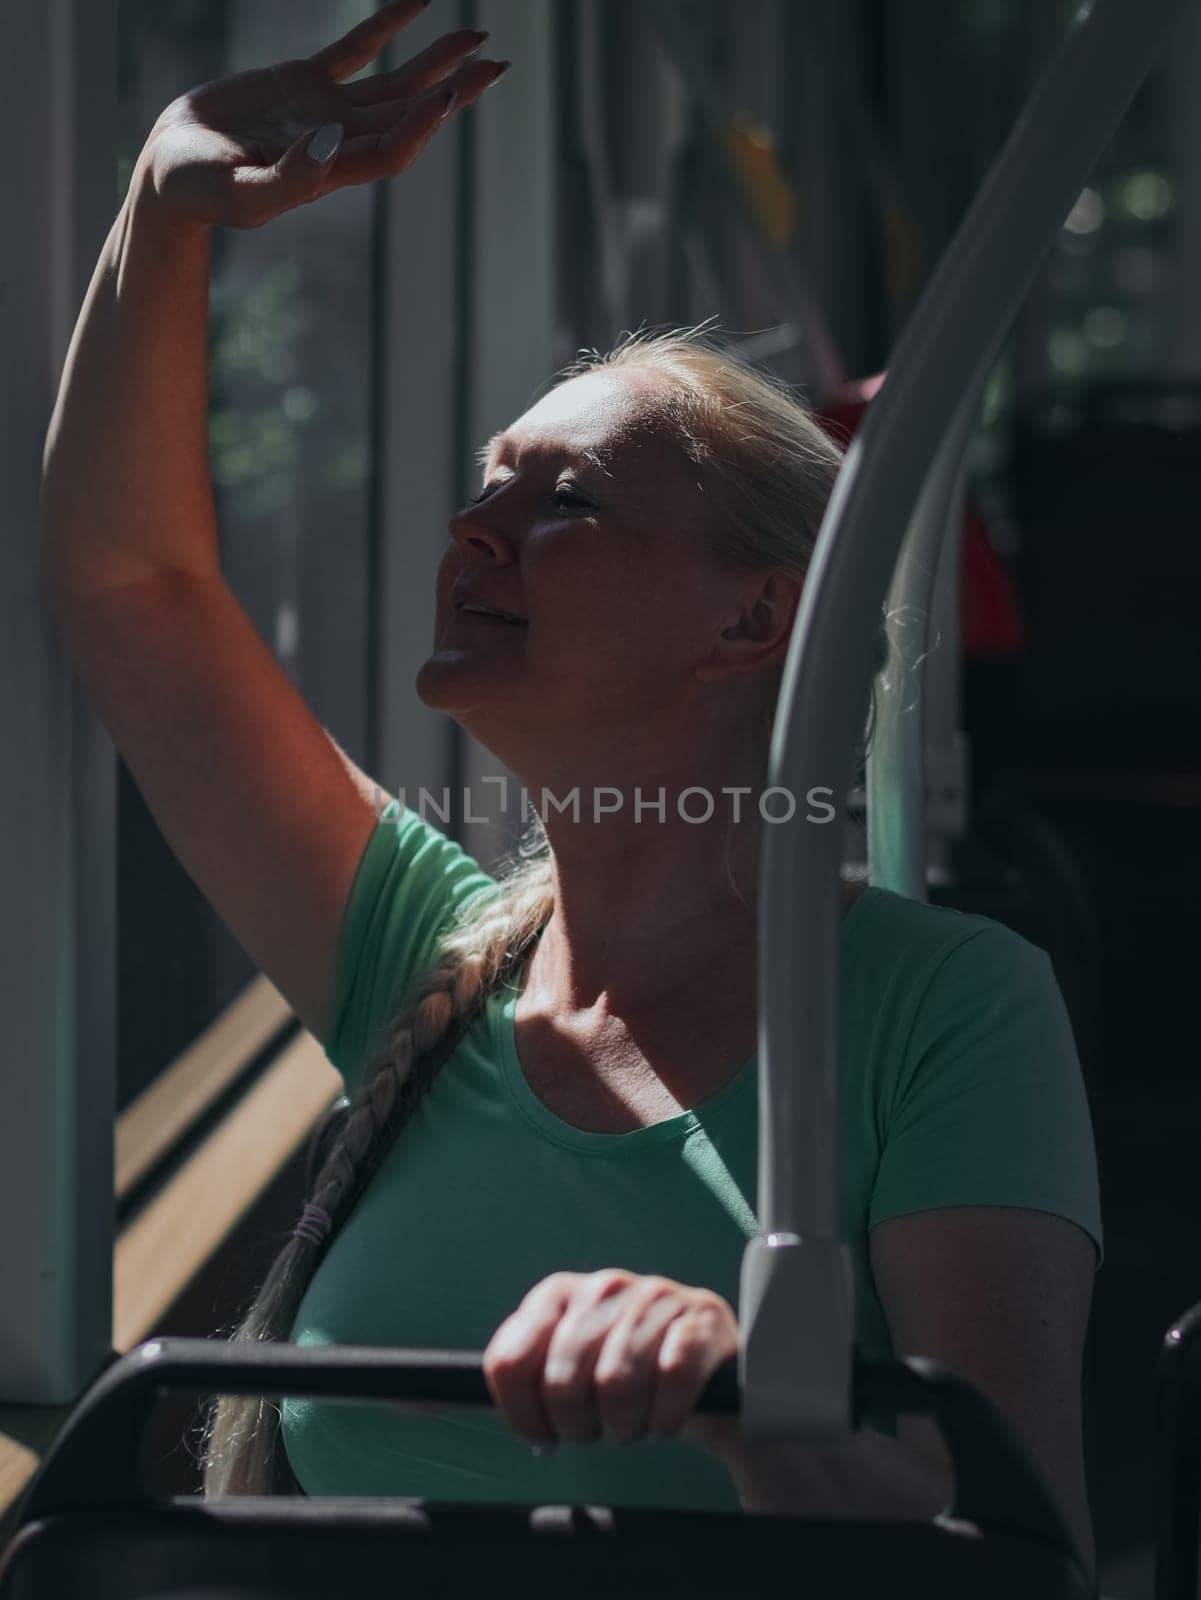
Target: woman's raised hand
point(610, 1354)
point(233, 151)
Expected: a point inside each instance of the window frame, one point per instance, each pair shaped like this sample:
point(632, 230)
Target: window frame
point(58, 844)
point(507, 280)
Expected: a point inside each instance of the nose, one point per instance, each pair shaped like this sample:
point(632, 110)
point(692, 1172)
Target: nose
point(477, 530)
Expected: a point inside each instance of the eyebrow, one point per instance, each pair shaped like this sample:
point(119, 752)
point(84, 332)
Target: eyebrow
point(499, 441)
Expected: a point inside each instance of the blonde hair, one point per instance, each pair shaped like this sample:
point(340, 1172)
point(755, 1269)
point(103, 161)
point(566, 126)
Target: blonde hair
point(766, 471)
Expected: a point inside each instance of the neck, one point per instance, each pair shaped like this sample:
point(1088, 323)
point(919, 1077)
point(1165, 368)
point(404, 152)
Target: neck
point(655, 883)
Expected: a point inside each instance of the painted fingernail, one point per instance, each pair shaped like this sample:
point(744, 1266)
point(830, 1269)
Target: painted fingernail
point(479, 38)
point(452, 101)
point(324, 144)
point(501, 70)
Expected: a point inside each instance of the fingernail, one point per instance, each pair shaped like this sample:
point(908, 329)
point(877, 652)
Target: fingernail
point(324, 144)
point(501, 70)
point(479, 38)
point(451, 103)
point(545, 1449)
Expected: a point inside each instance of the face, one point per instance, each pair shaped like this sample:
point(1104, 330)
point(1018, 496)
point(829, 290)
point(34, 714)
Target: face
point(587, 528)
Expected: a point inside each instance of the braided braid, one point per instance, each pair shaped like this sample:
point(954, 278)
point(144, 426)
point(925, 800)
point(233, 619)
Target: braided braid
point(484, 951)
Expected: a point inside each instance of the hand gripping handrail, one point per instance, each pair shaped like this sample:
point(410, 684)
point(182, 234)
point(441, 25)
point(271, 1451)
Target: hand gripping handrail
point(796, 1293)
point(93, 1465)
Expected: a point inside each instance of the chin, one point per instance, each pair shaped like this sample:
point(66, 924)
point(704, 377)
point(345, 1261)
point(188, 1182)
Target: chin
point(456, 688)
point(439, 691)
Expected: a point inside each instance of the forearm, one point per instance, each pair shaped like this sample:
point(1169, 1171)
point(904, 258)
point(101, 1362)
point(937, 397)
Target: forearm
point(870, 1476)
point(126, 485)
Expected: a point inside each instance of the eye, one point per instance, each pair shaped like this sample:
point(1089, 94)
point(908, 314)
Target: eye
point(570, 498)
point(566, 497)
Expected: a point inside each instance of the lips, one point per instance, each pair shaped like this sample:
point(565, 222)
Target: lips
point(471, 605)
point(488, 617)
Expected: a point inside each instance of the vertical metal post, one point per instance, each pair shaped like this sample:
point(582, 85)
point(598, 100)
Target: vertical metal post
point(417, 356)
point(948, 754)
point(897, 842)
point(58, 195)
point(512, 286)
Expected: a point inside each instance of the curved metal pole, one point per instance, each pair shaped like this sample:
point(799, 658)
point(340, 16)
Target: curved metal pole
point(796, 1292)
point(896, 761)
point(947, 748)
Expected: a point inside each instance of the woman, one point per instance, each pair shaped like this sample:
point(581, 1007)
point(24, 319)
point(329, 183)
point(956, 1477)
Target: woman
point(586, 1148)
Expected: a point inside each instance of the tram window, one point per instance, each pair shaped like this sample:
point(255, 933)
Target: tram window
point(291, 326)
point(1107, 304)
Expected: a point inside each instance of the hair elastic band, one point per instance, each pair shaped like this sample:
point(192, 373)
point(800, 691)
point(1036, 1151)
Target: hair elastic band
point(314, 1225)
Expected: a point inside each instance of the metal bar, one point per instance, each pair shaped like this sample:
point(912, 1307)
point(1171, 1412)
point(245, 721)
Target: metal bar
point(998, 1485)
point(897, 847)
point(796, 1305)
point(107, 1424)
point(947, 749)
point(421, 324)
point(512, 285)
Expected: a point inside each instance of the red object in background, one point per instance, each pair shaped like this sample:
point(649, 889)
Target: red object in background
point(990, 614)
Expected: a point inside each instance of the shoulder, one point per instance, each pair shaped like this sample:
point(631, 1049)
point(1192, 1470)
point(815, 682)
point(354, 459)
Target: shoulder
point(412, 862)
point(976, 1083)
point(401, 829)
point(948, 1003)
point(918, 932)
point(900, 954)
point(412, 886)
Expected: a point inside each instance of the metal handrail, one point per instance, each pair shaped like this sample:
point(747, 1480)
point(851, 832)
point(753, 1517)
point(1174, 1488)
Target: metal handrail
point(796, 1294)
point(896, 763)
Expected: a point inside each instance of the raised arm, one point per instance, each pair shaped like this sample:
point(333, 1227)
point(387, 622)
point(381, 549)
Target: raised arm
point(264, 811)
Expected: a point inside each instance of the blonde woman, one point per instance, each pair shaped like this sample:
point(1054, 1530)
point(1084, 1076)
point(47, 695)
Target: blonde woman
point(550, 1151)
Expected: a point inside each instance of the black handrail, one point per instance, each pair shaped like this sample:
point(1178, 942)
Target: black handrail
point(93, 1464)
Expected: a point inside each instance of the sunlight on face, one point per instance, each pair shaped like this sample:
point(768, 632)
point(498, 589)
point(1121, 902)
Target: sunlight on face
point(587, 528)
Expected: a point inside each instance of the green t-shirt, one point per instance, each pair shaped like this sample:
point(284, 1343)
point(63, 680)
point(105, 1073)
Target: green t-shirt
point(960, 1086)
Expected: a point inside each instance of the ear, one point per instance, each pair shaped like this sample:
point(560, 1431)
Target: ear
point(757, 632)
